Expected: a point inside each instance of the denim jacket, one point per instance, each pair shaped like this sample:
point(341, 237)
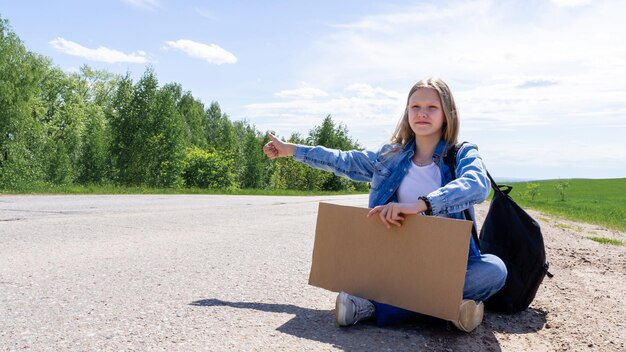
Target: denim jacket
point(385, 170)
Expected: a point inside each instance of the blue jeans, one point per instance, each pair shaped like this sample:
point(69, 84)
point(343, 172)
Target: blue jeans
point(485, 275)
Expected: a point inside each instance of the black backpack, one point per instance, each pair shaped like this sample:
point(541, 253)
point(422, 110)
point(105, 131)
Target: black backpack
point(511, 234)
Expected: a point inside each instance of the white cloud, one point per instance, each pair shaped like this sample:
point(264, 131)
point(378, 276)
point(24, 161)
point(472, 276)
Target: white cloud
point(101, 54)
point(211, 53)
point(536, 83)
point(361, 107)
point(304, 92)
point(144, 4)
point(512, 63)
point(571, 3)
point(364, 90)
point(535, 70)
point(563, 158)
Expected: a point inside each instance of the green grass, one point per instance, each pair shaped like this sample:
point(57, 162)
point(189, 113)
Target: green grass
point(562, 226)
point(601, 202)
point(605, 240)
point(113, 189)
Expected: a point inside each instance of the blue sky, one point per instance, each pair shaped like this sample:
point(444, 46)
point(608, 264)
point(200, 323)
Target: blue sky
point(540, 84)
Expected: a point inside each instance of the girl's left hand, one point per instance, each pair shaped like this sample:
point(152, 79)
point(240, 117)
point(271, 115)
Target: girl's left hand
point(391, 213)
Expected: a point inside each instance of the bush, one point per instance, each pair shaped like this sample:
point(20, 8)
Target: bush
point(207, 169)
point(561, 186)
point(290, 174)
point(532, 190)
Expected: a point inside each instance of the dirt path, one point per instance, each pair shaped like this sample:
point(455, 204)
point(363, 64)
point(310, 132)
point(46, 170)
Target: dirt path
point(582, 307)
point(218, 273)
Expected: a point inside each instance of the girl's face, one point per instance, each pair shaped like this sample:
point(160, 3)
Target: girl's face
point(425, 113)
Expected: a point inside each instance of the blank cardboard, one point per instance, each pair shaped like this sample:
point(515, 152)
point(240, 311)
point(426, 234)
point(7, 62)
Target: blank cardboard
point(419, 266)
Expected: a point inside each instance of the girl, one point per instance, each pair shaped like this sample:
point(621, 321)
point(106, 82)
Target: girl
point(408, 176)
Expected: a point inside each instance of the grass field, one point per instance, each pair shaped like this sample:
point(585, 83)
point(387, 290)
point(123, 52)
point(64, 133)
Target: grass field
point(114, 189)
point(600, 202)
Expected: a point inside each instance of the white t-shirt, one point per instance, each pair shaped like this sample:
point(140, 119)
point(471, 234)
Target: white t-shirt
point(419, 181)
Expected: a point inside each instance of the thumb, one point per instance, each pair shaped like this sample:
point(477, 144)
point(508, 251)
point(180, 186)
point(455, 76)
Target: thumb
point(273, 138)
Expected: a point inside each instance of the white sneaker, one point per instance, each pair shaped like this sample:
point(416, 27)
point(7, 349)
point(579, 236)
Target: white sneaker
point(471, 315)
point(351, 309)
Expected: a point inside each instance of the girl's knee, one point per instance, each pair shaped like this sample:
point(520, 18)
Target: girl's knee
point(497, 269)
point(485, 276)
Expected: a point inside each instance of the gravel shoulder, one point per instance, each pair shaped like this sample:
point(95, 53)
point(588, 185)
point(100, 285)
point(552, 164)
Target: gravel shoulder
point(215, 273)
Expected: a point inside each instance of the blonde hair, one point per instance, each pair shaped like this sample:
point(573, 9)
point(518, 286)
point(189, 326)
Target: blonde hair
point(403, 134)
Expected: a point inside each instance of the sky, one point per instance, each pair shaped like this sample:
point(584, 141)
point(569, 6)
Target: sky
point(540, 85)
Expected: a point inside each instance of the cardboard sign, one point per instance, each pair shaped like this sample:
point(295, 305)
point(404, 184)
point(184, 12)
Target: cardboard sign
point(419, 266)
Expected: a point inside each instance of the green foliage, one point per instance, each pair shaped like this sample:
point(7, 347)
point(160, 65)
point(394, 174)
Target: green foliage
point(192, 111)
point(605, 240)
point(594, 201)
point(98, 87)
point(62, 112)
point(220, 132)
point(98, 128)
point(330, 135)
point(165, 141)
point(94, 157)
point(254, 165)
point(532, 190)
point(119, 117)
point(105, 188)
point(138, 132)
point(207, 169)
point(290, 174)
point(561, 186)
point(20, 133)
point(59, 167)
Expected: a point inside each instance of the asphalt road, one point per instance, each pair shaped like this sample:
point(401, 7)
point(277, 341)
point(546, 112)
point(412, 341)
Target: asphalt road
point(222, 273)
point(154, 272)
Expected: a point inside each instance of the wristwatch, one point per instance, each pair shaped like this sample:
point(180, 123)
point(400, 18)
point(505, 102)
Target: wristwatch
point(429, 208)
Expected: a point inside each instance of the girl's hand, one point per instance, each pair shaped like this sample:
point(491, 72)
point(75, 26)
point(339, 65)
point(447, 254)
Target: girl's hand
point(277, 148)
point(391, 213)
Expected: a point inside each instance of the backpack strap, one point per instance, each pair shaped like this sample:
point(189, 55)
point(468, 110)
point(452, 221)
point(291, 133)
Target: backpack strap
point(450, 160)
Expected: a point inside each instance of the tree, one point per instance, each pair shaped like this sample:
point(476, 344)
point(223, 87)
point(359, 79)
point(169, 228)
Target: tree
point(132, 120)
point(331, 135)
point(220, 130)
point(165, 142)
point(99, 86)
point(532, 190)
point(62, 112)
point(20, 132)
point(192, 111)
point(98, 90)
point(289, 174)
point(94, 157)
point(561, 186)
point(254, 163)
point(95, 126)
point(335, 136)
point(59, 167)
point(119, 116)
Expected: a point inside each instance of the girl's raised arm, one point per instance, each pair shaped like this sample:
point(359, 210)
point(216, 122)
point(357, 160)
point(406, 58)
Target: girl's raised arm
point(353, 164)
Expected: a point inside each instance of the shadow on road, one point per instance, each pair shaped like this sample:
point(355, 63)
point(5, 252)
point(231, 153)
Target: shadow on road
point(429, 334)
point(529, 321)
